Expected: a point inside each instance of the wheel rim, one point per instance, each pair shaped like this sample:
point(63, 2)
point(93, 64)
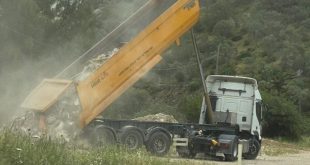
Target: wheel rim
point(253, 149)
point(131, 141)
point(159, 145)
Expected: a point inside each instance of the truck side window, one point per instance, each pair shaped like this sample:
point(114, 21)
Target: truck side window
point(213, 100)
point(259, 111)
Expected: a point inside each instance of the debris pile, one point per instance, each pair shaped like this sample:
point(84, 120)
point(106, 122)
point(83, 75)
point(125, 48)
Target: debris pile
point(26, 123)
point(160, 117)
point(59, 121)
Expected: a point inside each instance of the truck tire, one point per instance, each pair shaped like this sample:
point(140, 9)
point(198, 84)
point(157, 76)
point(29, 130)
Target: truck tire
point(131, 138)
point(234, 155)
point(158, 143)
point(253, 150)
point(103, 136)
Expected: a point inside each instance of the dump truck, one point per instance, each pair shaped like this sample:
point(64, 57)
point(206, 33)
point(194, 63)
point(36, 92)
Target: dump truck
point(141, 40)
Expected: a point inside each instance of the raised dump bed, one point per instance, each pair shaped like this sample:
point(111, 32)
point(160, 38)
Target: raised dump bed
point(146, 34)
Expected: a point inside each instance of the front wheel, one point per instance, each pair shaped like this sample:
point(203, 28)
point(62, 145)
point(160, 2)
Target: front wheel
point(253, 150)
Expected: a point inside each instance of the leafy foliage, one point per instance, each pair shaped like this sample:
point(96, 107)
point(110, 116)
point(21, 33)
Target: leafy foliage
point(282, 119)
point(190, 106)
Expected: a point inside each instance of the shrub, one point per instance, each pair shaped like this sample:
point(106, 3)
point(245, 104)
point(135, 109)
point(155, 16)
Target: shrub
point(195, 85)
point(190, 107)
point(224, 28)
point(282, 118)
point(179, 76)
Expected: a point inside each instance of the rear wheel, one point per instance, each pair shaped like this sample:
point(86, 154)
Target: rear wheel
point(158, 143)
point(103, 136)
point(131, 138)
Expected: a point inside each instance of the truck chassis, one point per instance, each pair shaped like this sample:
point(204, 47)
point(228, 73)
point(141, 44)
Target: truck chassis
point(157, 137)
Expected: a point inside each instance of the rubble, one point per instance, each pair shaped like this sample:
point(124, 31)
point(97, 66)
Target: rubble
point(160, 117)
point(94, 64)
point(60, 119)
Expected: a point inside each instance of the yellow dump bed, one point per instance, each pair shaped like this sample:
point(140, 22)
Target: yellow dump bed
point(148, 32)
point(136, 57)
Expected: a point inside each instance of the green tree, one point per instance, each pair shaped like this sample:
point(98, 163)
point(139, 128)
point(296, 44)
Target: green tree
point(282, 118)
point(225, 28)
point(190, 106)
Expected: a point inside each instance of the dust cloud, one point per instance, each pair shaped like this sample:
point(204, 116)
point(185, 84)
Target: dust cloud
point(19, 74)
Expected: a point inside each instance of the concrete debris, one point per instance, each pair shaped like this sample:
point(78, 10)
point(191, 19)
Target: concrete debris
point(60, 121)
point(94, 64)
point(160, 117)
point(27, 123)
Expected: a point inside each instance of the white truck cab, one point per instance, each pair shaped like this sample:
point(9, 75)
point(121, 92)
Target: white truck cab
point(236, 100)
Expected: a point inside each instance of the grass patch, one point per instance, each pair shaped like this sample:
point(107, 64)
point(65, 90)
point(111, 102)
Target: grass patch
point(276, 148)
point(304, 143)
point(21, 149)
point(281, 146)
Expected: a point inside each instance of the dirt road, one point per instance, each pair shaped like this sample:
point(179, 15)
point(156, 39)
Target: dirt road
point(301, 158)
point(272, 153)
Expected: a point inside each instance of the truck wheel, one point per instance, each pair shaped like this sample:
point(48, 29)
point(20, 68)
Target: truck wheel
point(103, 136)
point(234, 155)
point(131, 138)
point(158, 143)
point(253, 150)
